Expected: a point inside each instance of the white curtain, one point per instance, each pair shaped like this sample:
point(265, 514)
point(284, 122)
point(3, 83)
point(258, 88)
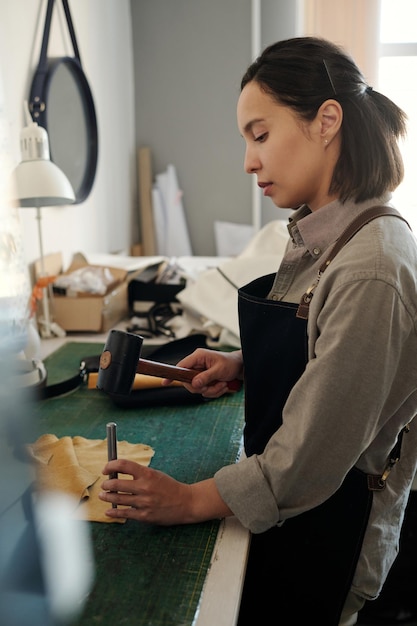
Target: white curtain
point(353, 24)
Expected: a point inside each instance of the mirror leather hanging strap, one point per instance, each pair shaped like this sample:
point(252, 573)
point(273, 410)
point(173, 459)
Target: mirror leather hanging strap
point(42, 111)
point(37, 106)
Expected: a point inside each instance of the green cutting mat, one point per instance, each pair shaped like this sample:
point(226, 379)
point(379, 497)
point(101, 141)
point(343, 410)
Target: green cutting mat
point(147, 575)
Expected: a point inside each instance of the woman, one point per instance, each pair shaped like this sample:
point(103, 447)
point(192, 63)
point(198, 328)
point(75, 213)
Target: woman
point(329, 351)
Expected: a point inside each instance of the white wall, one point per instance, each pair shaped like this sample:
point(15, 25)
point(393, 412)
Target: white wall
point(107, 220)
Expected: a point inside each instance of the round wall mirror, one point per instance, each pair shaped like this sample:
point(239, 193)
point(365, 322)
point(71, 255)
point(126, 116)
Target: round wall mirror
point(61, 102)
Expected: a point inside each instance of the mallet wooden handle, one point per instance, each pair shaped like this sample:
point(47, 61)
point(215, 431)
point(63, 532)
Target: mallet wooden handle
point(183, 374)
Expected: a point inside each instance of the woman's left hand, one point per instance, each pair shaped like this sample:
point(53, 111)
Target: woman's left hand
point(154, 497)
point(151, 496)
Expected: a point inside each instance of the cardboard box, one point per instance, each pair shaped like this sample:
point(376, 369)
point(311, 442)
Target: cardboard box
point(82, 311)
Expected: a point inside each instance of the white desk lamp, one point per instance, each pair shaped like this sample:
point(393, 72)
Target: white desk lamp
point(40, 183)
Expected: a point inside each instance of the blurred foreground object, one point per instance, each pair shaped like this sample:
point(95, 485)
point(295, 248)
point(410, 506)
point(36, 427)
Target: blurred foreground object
point(45, 557)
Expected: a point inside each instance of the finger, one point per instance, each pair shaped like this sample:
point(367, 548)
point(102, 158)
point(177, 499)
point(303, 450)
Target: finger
point(123, 466)
point(189, 387)
point(189, 361)
point(120, 499)
point(117, 484)
point(126, 506)
point(196, 360)
point(124, 513)
point(120, 484)
point(206, 380)
point(215, 390)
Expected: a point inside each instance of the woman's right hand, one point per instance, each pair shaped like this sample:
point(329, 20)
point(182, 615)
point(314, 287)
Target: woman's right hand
point(217, 369)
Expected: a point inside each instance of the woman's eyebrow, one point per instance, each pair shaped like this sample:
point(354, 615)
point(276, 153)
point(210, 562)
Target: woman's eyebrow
point(248, 127)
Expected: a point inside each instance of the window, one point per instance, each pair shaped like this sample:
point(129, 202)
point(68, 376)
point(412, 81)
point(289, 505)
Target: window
point(396, 77)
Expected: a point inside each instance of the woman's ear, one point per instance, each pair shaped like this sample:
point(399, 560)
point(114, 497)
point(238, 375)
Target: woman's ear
point(330, 117)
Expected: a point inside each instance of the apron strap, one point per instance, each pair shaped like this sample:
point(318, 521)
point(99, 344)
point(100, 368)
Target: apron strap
point(375, 482)
point(364, 218)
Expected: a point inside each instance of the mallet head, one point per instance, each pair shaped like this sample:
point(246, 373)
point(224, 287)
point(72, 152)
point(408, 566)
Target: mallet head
point(118, 362)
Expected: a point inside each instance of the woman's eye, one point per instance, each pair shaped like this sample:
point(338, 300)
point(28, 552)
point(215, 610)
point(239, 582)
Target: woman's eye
point(261, 138)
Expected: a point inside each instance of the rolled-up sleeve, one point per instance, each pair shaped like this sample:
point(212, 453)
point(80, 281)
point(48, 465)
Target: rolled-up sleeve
point(244, 487)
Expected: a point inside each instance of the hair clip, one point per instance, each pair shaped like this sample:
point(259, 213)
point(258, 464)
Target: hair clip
point(329, 77)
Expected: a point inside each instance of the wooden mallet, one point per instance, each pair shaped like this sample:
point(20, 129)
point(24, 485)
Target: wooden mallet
point(120, 361)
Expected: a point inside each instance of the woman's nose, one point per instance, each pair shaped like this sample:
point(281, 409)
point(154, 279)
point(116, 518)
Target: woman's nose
point(251, 163)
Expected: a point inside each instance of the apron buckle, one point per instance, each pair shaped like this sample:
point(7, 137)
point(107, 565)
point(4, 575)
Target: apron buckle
point(375, 482)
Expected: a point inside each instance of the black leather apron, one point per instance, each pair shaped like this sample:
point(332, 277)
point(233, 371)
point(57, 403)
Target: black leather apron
point(300, 572)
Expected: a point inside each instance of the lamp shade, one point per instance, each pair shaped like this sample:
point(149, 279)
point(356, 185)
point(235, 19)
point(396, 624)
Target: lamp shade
point(41, 183)
point(38, 182)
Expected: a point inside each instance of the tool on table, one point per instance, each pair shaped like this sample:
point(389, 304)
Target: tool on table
point(120, 361)
point(111, 429)
point(141, 381)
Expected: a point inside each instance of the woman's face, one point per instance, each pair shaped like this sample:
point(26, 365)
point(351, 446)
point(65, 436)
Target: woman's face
point(290, 157)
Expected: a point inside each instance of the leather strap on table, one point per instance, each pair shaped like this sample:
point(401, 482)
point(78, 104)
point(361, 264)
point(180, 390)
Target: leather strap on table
point(45, 391)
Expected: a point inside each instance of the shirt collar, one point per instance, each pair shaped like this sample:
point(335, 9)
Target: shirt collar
point(317, 230)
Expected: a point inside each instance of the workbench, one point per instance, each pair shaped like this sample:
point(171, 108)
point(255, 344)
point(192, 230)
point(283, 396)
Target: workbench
point(164, 576)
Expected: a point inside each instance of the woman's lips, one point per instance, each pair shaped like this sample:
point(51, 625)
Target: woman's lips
point(266, 188)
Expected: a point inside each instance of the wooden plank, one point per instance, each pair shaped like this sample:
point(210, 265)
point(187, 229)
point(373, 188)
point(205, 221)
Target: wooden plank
point(222, 589)
point(147, 227)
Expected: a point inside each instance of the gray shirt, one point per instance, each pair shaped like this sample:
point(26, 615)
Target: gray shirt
point(359, 387)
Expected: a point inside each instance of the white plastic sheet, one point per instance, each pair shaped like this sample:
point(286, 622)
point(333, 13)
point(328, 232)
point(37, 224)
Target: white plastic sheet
point(171, 231)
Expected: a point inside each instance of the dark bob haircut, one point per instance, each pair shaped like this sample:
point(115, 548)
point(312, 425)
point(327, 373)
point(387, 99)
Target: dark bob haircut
point(301, 73)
